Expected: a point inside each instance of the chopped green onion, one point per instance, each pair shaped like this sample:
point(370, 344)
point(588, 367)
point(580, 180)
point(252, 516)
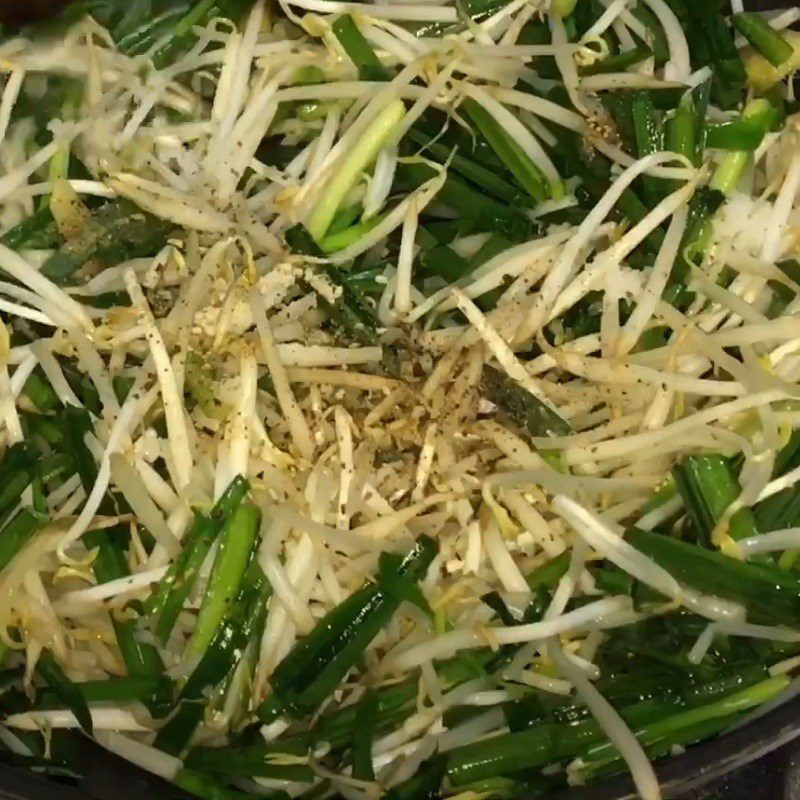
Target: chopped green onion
point(365, 722)
point(170, 595)
point(363, 153)
point(52, 674)
point(708, 486)
point(524, 171)
point(770, 594)
point(236, 547)
point(315, 666)
point(619, 62)
point(359, 50)
point(767, 41)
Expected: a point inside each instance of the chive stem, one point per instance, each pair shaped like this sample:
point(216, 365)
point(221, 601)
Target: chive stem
point(363, 153)
point(235, 551)
point(765, 39)
point(730, 170)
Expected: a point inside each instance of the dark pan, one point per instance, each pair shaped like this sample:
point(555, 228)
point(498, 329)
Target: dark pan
point(105, 776)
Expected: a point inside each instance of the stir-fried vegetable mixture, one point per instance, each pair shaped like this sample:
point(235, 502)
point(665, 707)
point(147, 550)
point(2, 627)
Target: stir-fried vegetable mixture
point(398, 399)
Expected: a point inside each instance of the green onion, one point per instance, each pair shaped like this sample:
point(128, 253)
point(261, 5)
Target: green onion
point(110, 690)
point(351, 311)
point(653, 720)
point(563, 8)
point(135, 37)
point(365, 722)
point(393, 703)
point(662, 495)
point(647, 135)
point(333, 242)
point(524, 171)
point(316, 665)
point(619, 62)
point(468, 168)
point(667, 732)
point(679, 130)
point(37, 232)
point(236, 548)
point(242, 624)
point(363, 153)
point(697, 235)
point(746, 133)
point(141, 659)
point(770, 594)
point(445, 262)
point(424, 785)
point(116, 232)
point(494, 245)
point(359, 50)
point(180, 32)
point(484, 212)
point(52, 674)
point(549, 573)
point(38, 390)
point(525, 409)
point(708, 486)
point(170, 596)
point(207, 787)
point(17, 533)
point(253, 760)
point(711, 44)
point(767, 41)
point(730, 169)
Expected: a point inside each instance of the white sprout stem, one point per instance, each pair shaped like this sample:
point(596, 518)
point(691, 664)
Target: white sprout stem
point(182, 210)
point(501, 351)
point(566, 64)
point(540, 107)
point(16, 266)
point(132, 410)
point(604, 21)
point(298, 427)
point(783, 206)
point(657, 280)
point(559, 272)
point(744, 629)
point(611, 81)
point(393, 219)
point(177, 434)
point(405, 261)
point(239, 443)
point(324, 144)
point(10, 416)
point(410, 12)
point(344, 442)
point(679, 65)
point(449, 644)
point(381, 182)
point(785, 539)
point(103, 719)
point(120, 586)
point(144, 756)
point(10, 95)
point(130, 484)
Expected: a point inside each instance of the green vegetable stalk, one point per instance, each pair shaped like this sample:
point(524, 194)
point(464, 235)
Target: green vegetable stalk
point(316, 665)
point(363, 153)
